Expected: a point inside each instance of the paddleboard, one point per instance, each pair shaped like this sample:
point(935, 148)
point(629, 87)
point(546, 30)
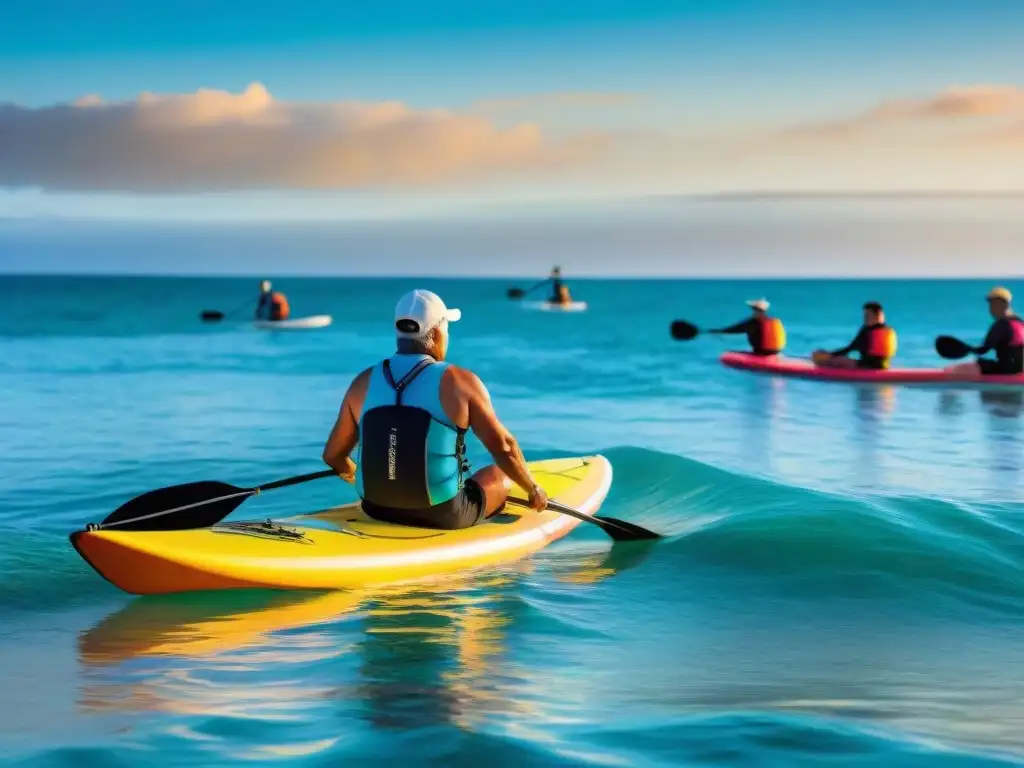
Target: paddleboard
point(792, 367)
point(339, 548)
point(551, 306)
point(294, 324)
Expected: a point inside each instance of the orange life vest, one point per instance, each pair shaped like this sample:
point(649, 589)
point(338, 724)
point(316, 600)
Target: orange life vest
point(882, 342)
point(279, 309)
point(773, 334)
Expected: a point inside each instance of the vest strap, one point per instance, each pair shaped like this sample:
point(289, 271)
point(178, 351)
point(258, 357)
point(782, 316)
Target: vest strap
point(406, 380)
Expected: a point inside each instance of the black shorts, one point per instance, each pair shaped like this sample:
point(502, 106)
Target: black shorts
point(871, 363)
point(465, 510)
point(990, 367)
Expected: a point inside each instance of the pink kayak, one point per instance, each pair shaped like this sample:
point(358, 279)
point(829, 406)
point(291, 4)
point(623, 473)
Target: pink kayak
point(795, 367)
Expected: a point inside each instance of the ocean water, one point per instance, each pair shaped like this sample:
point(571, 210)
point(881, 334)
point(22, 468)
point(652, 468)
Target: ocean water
point(842, 582)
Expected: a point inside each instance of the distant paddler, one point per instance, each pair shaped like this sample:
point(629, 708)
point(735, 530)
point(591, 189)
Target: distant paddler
point(560, 295)
point(765, 334)
point(559, 290)
point(273, 305)
point(875, 344)
point(1005, 338)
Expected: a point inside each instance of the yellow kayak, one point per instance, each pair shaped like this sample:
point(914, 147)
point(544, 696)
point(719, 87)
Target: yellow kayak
point(339, 548)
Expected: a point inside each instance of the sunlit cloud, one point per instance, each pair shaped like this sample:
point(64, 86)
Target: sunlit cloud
point(214, 140)
point(955, 104)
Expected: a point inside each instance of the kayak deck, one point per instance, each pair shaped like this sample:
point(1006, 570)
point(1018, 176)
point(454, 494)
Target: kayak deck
point(339, 548)
point(778, 365)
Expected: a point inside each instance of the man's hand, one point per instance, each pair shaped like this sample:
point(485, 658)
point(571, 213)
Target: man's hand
point(538, 499)
point(348, 473)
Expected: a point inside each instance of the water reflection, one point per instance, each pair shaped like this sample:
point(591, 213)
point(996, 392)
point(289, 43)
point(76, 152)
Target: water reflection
point(999, 424)
point(762, 409)
point(1003, 426)
point(221, 672)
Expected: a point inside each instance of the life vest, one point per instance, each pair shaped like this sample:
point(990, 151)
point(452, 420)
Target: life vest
point(773, 334)
point(881, 342)
point(1017, 324)
point(279, 309)
point(410, 456)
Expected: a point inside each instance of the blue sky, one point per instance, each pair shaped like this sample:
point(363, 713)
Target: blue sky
point(649, 97)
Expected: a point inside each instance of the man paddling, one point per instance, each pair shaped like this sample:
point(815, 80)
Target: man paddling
point(1005, 337)
point(273, 305)
point(410, 414)
point(559, 290)
point(875, 344)
point(766, 334)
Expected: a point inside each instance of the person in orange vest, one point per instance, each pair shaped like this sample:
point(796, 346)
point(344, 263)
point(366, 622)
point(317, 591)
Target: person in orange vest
point(875, 343)
point(559, 290)
point(273, 305)
point(766, 334)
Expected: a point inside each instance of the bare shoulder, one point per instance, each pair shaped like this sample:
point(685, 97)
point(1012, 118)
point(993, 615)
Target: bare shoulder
point(464, 380)
point(362, 380)
point(358, 388)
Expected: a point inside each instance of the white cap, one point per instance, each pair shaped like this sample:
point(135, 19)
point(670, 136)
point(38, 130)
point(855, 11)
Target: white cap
point(761, 304)
point(419, 312)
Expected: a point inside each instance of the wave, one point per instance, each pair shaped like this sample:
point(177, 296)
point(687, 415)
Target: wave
point(750, 530)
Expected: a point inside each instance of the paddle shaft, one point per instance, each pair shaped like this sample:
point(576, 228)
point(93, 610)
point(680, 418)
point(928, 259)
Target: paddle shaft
point(619, 530)
point(212, 315)
point(521, 292)
point(295, 480)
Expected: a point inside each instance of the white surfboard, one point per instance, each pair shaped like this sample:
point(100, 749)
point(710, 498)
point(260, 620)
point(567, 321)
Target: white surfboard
point(294, 324)
point(551, 306)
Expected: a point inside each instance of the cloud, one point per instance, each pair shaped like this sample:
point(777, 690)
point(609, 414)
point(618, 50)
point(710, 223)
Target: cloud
point(556, 100)
point(213, 140)
point(956, 103)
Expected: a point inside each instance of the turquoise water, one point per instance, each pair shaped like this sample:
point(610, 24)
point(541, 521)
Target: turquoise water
point(842, 583)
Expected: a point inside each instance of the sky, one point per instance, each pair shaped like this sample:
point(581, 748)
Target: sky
point(314, 108)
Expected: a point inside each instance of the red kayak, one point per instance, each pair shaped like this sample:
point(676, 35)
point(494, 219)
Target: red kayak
point(795, 367)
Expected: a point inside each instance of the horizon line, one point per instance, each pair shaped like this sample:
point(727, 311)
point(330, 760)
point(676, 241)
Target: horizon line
point(505, 277)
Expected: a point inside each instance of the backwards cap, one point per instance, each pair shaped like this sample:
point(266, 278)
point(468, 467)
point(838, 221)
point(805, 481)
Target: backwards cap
point(419, 312)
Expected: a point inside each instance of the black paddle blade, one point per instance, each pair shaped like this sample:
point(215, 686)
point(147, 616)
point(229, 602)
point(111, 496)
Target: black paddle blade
point(620, 530)
point(951, 348)
point(515, 293)
point(683, 331)
point(178, 508)
point(211, 315)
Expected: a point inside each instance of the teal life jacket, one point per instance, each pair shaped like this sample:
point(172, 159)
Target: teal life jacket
point(411, 456)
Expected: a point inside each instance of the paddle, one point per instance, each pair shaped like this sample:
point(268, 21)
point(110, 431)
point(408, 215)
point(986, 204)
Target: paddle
point(212, 315)
point(191, 505)
point(518, 293)
point(619, 530)
point(952, 348)
point(683, 331)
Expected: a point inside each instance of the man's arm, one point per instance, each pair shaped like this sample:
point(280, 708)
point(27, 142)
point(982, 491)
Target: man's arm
point(859, 344)
point(741, 327)
point(993, 339)
point(499, 442)
point(345, 435)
